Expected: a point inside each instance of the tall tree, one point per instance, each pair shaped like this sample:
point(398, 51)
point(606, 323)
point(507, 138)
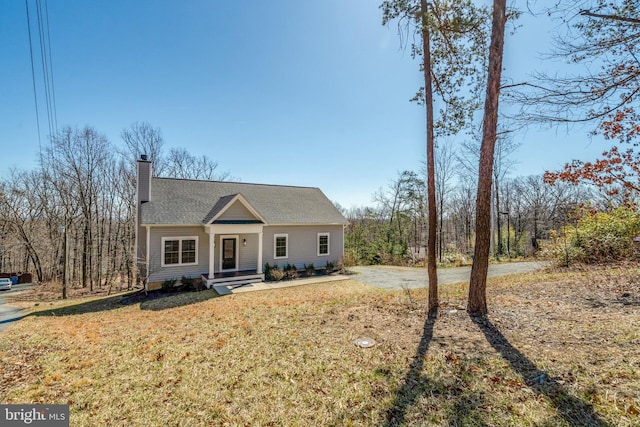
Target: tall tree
point(477, 304)
point(79, 158)
point(452, 40)
point(431, 180)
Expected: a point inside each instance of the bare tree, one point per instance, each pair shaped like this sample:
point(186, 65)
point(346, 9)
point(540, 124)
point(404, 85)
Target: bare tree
point(182, 164)
point(79, 157)
point(142, 138)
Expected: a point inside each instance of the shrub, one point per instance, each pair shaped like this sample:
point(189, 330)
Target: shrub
point(167, 285)
point(291, 272)
point(187, 283)
point(597, 237)
point(275, 275)
point(349, 259)
point(199, 284)
point(330, 267)
point(267, 269)
point(309, 269)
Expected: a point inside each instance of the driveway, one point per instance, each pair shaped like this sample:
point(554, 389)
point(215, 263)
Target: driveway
point(400, 277)
point(10, 314)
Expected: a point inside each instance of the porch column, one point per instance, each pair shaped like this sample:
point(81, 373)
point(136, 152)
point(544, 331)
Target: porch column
point(260, 252)
point(212, 245)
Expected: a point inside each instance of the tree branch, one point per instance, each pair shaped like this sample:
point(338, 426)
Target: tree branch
point(633, 21)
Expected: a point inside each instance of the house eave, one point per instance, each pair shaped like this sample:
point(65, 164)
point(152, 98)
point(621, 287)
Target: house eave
point(305, 224)
point(170, 225)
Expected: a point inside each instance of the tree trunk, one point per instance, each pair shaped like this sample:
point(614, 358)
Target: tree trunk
point(499, 246)
point(441, 229)
point(85, 255)
point(431, 180)
point(477, 304)
point(64, 262)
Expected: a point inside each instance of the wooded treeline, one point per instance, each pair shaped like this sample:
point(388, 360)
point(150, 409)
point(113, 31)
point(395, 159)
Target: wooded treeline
point(83, 193)
point(525, 212)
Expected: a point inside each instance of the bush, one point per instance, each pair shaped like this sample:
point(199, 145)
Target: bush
point(187, 283)
point(350, 259)
point(267, 269)
point(309, 269)
point(291, 272)
point(275, 275)
point(168, 285)
point(597, 237)
point(330, 267)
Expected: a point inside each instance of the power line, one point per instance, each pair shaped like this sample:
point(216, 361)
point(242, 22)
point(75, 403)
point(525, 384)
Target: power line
point(44, 38)
point(45, 67)
point(53, 91)
point(33, 76)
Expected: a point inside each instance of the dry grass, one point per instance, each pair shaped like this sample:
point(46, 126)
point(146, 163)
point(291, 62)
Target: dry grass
point(559, 348)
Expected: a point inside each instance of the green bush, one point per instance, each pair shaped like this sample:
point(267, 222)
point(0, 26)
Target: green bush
point(187, 283)
point(168, 285)
point(309, 269)
point(290, 272)
point(273, 273)
point(597, 237)
point(330, 267)
point(267, 270)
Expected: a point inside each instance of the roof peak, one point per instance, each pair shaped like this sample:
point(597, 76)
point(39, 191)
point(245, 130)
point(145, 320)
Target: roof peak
point(232, 182)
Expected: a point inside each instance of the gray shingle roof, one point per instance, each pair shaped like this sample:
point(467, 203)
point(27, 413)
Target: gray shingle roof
point(220, 204)
point(182, 201)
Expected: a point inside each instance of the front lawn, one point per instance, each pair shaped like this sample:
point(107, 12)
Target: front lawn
point(559, 348)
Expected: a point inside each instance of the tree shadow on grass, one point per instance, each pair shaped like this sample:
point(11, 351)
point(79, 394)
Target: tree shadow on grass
point(412, 385)
point(154, 301)
point(93, 306)
point(575, 411)
point(164, 301)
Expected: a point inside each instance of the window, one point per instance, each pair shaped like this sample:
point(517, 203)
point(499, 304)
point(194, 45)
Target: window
point(188, 251)
point(280, 246)
point(323, 244)
point(179, 250)
point(172, 252)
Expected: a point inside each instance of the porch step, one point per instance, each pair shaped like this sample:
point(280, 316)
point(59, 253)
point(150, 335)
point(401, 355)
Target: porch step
point(249, 278)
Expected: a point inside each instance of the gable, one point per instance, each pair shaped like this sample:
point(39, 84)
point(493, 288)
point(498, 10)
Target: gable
point(237, 212)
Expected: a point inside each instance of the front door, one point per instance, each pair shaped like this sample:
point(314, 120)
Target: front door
point(228, 254)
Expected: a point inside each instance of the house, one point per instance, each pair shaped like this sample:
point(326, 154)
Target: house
point(225, 232)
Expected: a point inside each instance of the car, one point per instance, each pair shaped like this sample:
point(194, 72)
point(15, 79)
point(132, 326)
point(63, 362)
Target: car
point(5, 283)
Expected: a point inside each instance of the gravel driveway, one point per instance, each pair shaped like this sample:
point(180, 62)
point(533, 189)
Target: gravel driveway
point(8, 313)
point(398, 277)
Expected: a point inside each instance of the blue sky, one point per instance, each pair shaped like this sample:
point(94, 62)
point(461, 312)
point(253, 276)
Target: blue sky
point(284, 92)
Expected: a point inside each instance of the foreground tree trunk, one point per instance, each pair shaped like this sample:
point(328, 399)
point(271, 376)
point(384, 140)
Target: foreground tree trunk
point(431, 181)
point(477, 304)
